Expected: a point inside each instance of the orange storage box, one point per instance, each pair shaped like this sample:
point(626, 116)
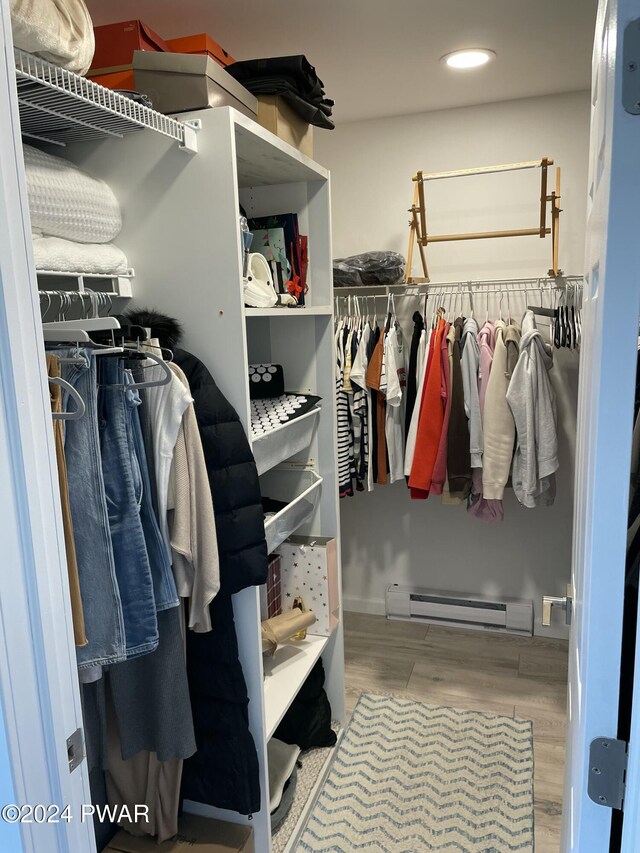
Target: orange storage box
point(115, 44)
point(201, 43)
point(115, 79)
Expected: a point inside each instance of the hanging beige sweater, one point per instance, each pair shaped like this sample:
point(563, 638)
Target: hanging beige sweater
point(192, 527)
point(498, 424)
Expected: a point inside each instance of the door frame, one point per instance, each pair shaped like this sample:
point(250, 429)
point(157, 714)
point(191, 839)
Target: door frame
point(39, 690)
point(607, 386)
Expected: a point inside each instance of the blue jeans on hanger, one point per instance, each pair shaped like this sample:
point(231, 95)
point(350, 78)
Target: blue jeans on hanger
point(164, 585)
point(123, 490)
point(96, 565)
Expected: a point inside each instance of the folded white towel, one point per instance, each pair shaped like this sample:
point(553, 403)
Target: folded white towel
point(66, 202)
point(59, 31)
point(58, 255)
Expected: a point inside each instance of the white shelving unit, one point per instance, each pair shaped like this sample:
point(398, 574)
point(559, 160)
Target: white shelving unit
point(181, 234)
point(286, 671)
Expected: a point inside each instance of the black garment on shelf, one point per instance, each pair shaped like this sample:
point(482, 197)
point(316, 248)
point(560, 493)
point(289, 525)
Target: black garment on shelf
point(138, 97)
point(412, 372)
point(291, 77)
point(373, 447)
point(224, 771)
point(307, 723)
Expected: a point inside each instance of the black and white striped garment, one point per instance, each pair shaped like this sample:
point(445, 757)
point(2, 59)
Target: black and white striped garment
point(345, 433)
point(360, 415)
point(354, 394)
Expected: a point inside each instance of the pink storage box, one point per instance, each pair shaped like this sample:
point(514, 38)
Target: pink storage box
point(309, 567)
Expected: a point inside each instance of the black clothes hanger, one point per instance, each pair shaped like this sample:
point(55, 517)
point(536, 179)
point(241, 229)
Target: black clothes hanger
point(557, 339)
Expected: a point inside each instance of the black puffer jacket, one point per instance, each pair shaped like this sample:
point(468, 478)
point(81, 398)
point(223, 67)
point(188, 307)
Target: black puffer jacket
point(233, 476)
point(224, 770)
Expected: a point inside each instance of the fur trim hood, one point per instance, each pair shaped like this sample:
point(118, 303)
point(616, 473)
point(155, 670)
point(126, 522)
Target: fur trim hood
point(167, 329)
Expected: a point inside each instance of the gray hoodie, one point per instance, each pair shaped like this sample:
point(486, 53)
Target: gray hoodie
point(470, 362)
point(532, 402)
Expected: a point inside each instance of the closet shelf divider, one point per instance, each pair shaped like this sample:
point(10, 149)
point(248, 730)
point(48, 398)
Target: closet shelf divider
point(307, 311)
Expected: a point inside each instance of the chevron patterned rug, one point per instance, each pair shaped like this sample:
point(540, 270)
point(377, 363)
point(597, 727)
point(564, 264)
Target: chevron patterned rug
point(409, 777)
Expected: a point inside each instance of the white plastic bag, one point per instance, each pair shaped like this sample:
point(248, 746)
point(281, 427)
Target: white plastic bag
point(60, 31)
point(259, 291)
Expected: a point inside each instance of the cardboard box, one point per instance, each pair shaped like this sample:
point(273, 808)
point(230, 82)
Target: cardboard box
point(177, 82)
point(278, 117)
point(195, 835)
point(115, 44)
point(309, 568)
point(204, 44)
point(115, 79)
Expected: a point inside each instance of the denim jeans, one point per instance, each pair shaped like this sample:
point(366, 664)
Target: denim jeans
point(164, 585)
point(101, 602)
point(123, 490)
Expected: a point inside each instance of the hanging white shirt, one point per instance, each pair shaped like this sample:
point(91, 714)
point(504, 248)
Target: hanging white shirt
point(166, 405)
point(395, 372)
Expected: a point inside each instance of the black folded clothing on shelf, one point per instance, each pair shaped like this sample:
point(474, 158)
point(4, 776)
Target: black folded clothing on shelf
point(138, 97)
point(291, 77)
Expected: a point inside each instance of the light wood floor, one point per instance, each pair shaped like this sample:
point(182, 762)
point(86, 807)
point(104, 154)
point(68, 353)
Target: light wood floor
point(496, 673)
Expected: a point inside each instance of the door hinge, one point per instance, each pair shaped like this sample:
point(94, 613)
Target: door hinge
point(75, 749)
point(631, 68)
point(607, 771)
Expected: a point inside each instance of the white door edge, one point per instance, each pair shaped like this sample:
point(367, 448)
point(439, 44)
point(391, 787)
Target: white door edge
point(38, 680)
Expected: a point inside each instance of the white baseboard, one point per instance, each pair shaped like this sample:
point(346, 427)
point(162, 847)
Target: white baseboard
point(554, 632)
point(377, 607)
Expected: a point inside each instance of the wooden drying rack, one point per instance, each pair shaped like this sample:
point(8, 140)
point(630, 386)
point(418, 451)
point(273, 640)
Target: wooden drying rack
point(418, 221)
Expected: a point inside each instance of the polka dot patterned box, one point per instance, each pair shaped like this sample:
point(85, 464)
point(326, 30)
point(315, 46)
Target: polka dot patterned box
point(309, 567)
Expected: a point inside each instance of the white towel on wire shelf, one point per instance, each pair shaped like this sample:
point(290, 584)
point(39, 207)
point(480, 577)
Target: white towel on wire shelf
point(66, 202)
point(58, 255)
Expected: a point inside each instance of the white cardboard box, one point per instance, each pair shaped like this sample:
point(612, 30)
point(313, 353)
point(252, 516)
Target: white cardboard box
point(177, 82)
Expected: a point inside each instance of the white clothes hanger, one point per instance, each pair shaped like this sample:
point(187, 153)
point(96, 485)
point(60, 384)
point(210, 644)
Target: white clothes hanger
point(80, 408)
point(77, 331)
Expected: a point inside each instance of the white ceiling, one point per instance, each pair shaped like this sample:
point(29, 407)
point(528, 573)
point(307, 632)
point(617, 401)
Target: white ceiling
point(381, 57)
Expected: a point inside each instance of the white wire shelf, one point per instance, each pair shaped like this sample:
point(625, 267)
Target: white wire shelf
point(58, 107)
point(119, 284)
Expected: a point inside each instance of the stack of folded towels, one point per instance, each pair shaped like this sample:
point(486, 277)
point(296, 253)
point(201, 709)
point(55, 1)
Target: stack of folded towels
point(74, 217)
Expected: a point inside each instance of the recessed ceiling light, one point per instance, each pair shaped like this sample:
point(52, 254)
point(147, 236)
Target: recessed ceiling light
point(472, 58)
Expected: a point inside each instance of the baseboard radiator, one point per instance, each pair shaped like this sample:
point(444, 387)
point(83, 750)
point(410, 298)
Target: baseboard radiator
point(453, 609)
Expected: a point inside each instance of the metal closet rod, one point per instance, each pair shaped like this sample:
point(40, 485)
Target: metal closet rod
point(437, 291)
point(410, 289)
